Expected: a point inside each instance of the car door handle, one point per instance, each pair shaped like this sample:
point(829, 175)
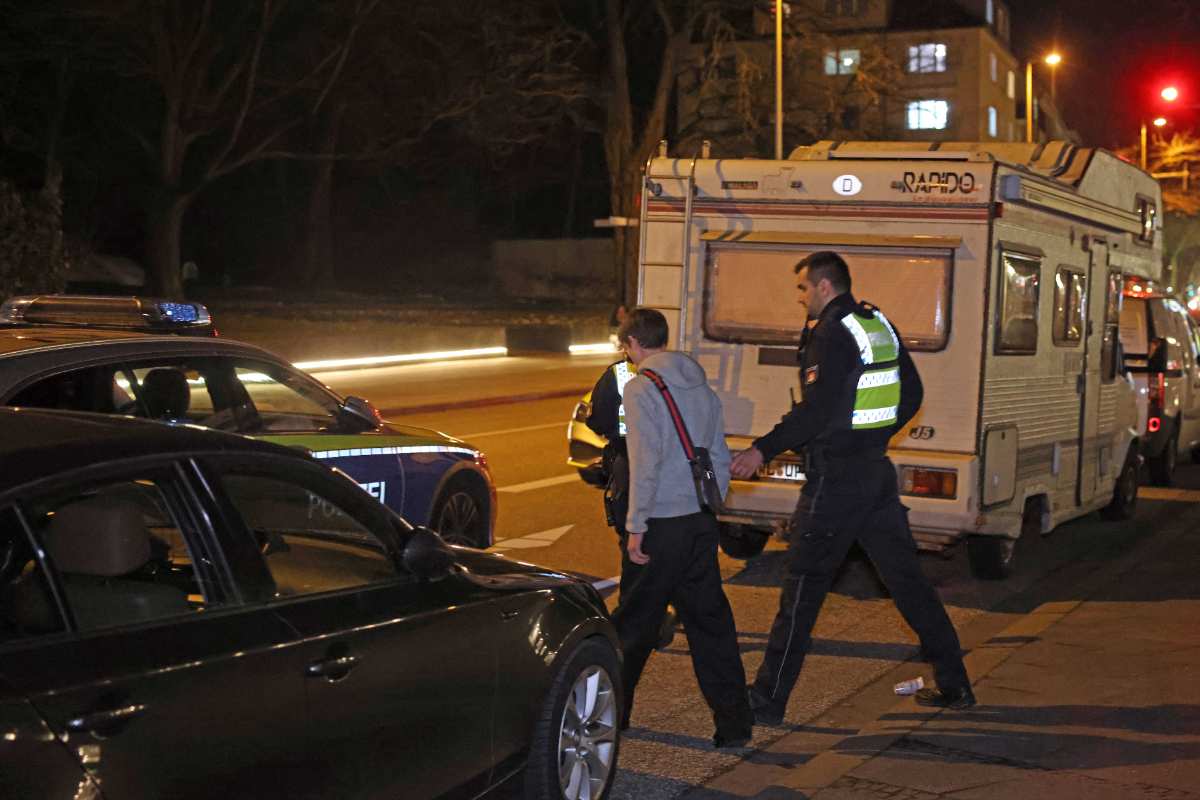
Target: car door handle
point(332, 668)
point(104, 722)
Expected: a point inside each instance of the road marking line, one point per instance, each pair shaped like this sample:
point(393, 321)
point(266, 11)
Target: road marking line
point(1157, 493)
point(551, 535)
point(542, 484)
point(504, 431)
point(540, 539)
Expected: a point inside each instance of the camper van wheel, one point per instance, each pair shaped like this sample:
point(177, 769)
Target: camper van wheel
point(1124, 491)
point(1162, 466)
point(742, 541)
point(991, 557)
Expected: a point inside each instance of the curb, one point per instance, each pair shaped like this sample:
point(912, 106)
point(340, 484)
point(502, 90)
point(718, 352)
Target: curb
point(482, 402)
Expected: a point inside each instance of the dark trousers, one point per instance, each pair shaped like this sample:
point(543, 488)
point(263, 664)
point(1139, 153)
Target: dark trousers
point(853, 501)
point(683, 571)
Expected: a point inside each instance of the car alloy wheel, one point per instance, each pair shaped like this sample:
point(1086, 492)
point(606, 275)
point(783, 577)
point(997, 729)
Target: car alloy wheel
point(587, 735)
point(458, 519)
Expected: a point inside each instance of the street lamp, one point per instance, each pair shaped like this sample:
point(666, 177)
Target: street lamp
point(779, 11)
point(1158, 123)
point(1053, 60)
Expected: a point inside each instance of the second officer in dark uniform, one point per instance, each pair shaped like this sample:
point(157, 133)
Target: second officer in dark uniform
point(859, 387)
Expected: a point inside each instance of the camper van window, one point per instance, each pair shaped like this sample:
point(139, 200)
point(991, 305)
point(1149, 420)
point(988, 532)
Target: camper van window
point(750, 291)
point(1112, 319)
point(1018, 321)
point(1147, 214)
point(1070, 300)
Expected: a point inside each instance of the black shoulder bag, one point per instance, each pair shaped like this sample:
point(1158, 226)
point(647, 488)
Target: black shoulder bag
point(708, 489)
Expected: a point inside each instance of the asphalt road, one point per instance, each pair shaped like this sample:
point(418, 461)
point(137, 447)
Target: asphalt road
point(548, 516)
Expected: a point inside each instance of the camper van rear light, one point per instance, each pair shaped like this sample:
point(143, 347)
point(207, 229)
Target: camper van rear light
point(926, 482)
point(1154, 424)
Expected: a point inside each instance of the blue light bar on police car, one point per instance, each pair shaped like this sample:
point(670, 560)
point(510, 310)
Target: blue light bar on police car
point(134, 313)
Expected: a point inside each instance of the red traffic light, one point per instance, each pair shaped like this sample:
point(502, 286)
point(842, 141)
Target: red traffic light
point(1169, 93)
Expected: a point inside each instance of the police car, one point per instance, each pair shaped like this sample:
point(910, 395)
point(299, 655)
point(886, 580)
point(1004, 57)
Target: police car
point(120, 356)
point(585, 447)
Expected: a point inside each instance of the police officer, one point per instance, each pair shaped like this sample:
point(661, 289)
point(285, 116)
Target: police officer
point(859, 387)
point(607, 418)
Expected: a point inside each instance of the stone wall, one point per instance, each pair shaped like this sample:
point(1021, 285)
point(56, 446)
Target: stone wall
point(580, 270)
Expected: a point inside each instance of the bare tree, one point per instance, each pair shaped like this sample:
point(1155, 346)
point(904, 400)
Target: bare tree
point(197, 85)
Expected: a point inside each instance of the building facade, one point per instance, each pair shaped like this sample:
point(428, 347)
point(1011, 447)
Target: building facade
point(927, 70)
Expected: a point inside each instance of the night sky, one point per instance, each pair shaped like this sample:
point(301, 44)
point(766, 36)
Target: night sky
point(1117, 55)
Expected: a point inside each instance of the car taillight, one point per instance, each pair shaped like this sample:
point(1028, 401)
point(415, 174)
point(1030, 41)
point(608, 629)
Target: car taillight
point(1157, 396)
point(926, 482)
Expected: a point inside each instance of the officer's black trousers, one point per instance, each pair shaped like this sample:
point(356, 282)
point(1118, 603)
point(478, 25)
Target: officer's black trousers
point(683, 571)
point(853, 500)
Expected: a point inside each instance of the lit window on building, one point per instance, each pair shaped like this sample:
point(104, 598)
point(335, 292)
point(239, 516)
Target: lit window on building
point(842, 8)
point(929, 57)
point(993, 122)
point(993, 67)
point(842, 62)
point(928, 115)
point(1012, 85)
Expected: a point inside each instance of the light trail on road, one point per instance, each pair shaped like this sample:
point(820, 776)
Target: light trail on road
point(524, 429)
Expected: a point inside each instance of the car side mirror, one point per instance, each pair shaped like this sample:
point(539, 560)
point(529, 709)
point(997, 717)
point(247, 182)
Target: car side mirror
point(426, 555)
point(362, 411)
point(1156, 357)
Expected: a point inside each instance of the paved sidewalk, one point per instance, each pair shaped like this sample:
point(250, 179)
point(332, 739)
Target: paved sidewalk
point(1086, 698)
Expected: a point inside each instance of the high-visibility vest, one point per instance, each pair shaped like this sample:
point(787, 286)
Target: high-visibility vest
point(624, 372)
point(877, 396)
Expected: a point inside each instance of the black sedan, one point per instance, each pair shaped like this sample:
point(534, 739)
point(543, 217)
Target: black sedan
point(191, 614)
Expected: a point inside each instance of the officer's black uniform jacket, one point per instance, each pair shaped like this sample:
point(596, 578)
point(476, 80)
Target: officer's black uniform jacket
point(605, 417)
point(828, 359)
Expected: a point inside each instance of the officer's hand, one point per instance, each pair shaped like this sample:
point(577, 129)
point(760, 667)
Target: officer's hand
point(746, 463)
point(634, 546)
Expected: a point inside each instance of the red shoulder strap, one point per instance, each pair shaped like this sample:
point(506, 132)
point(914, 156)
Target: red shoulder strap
point(680, 428)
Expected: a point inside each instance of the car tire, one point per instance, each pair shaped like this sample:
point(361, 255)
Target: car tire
point(1125, 491)
point(460, 515)
point(573, 753)
point(742, 541)
point(1162, 466)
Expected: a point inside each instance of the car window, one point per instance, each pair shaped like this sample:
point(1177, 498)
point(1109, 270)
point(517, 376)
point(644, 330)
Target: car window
point(101, 389)
point(284, 401)
point(120, 555)
point(27, 607)
point(1134, 332)
point(174, 391)
point(309, 543)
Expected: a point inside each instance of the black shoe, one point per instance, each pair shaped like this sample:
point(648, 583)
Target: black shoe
point(723, 740)
point(961, 697)
point(666, 631)
point(765, 711)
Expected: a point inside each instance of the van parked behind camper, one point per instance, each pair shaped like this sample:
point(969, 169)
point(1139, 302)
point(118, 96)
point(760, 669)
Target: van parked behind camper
point(1162, 353)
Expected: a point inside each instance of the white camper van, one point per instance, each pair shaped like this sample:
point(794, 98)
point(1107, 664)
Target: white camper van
point(1000, 264)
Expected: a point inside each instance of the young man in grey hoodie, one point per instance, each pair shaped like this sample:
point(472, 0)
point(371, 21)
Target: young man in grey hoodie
point(670, 536)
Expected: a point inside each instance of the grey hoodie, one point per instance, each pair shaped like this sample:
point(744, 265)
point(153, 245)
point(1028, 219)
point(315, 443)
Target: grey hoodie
point(660, 483)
